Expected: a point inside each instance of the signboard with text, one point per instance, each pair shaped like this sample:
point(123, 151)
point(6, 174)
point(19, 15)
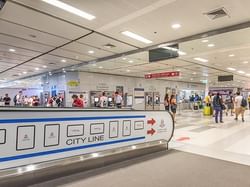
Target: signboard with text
point(163, 74)
point(37, 136)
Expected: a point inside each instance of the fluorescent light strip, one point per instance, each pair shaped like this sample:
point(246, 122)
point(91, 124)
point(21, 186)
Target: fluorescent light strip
point(136, 37)
point(231, 69)
point(70, 9)
point(241, 72)
point(201, 59)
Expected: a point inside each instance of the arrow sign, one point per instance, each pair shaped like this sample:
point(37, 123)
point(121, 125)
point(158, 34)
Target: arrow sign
point(151, 121)
point(151, 131)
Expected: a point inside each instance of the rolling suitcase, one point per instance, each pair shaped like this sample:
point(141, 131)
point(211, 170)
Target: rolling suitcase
point(207, 111)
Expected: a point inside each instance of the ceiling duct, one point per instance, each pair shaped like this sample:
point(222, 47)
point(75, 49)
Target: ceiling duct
point(217, 13)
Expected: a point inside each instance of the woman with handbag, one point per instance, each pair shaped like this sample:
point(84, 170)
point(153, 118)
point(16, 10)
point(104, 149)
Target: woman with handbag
point(173, 106)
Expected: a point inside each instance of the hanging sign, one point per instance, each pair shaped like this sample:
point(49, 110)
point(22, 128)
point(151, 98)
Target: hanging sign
point(163, 74)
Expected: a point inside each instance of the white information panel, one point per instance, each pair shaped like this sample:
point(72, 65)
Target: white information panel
point(25, 137)
point(29, 137)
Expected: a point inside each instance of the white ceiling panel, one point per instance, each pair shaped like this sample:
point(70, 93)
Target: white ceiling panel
point(22, 52)
point(83, 49)
point(106, 12)
point(68, 54)
point(30, 34)
point(100, 41)
point(184, 12)
point(12, 42)
point(40, 21)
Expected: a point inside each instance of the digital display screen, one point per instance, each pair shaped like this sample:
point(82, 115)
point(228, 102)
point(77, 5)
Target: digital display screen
point(96, 99)
point(163, 53)
point(110, 99)
point(225, 78)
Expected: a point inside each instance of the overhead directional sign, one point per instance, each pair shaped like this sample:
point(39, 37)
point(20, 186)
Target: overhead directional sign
point(163, 74)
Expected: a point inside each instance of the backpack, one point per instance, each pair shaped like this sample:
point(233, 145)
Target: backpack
point(243, 102)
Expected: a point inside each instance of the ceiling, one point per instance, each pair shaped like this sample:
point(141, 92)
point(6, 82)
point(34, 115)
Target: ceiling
point(46, 38)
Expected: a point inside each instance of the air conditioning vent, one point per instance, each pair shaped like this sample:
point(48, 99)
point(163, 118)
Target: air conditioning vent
point(217, 13)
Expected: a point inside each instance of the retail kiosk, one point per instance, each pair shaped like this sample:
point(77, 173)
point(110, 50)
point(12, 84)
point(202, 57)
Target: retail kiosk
point(36, 142)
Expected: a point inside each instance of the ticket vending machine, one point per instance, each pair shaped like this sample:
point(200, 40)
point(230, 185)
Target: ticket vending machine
point(156, 103)
point(149, 104)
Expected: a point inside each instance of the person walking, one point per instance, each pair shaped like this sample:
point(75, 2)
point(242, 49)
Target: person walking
point(240, 105)
point(166, 102)
point(248, 99)
point(173, 106)
point(217, 104)
point(229, 103)
point(118, 100)
point(7, 100)
point(103, 100)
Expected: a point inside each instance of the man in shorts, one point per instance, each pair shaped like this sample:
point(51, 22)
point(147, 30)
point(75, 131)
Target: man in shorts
point(239, 109)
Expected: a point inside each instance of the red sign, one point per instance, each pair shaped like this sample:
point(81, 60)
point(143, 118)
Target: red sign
point(163, 74)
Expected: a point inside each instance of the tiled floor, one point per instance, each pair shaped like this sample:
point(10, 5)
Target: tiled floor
point(198, 134)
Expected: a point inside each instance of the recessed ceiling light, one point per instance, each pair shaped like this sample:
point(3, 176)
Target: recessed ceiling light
point(44, 66)
point(176, 26)
point(128, 70)
point(245, 62)
point(124, 58)
point(12, 50)
point(100, 67)
point(93, 64)
point(131, 61)
point(191, 79)
point(231, 55)
point(201, 59)
point(241, 72)
point(210, 45)
point(91, 52)
point(248, 74)
point(70, 9)
point(136, 37)
point(37, 69)
point(63, 60)
point(231, 69)
point(24, 72)
point(205, 41)
point(194, 73)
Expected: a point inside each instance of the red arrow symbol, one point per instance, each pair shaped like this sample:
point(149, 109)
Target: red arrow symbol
point(151, 121)
point(151, 131)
